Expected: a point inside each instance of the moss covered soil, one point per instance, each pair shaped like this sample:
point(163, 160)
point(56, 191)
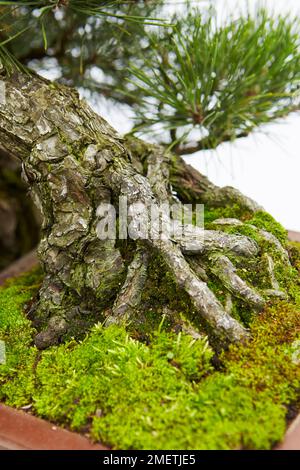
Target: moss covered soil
point(159, 389)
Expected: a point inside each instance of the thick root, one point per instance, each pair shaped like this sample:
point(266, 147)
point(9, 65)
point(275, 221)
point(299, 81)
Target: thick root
point(223, 325)
point(129, 297)
point(223, 268)
point(195, 241)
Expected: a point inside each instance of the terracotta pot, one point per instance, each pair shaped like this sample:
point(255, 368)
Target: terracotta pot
point(292, 437)
point(294, 236)
point(21, 431)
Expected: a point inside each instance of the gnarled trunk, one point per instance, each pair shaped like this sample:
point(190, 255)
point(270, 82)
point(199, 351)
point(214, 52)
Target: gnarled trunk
point(73, 161)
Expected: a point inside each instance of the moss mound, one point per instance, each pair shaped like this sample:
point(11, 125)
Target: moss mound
point(164, 393)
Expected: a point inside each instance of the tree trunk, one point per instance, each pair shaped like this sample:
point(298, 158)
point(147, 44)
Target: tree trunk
point(73, 161)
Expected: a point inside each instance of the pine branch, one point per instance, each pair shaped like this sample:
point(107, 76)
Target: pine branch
point(207, 144)
point(39, 18)
point(223, 81)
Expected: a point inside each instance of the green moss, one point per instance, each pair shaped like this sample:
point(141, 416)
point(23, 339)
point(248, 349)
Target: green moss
point(231, 211)
point(161, 395)
point(260, 219)
point(266, 222)
point(16, 376)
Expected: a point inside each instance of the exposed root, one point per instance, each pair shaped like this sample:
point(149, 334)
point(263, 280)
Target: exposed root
point(195, 240)
point(197, 266)
point(276, 244)
point(202, 297)
point(56, 328)
point(270, 267)
point(218, 197)
point(129, 296)
point(189, 330)
point(275, 291)
point(223, 268)
point(228, 303)
point(227, 222)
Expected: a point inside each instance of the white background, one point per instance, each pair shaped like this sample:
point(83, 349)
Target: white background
point(265, 166)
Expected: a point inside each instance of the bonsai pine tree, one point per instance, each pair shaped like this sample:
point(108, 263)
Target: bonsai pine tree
point(182, 79)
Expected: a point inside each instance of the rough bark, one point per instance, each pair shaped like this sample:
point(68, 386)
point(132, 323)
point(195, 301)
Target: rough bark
point(72, 161)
